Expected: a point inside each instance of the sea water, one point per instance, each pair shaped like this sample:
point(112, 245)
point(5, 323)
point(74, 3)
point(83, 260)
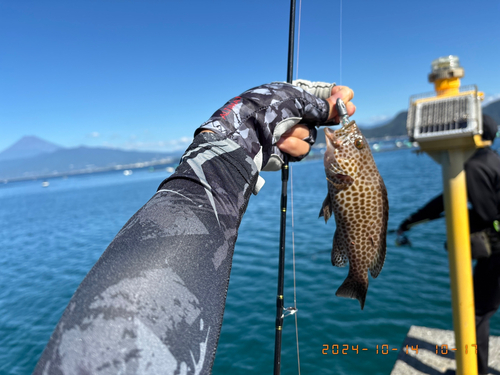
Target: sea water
point(50, 238)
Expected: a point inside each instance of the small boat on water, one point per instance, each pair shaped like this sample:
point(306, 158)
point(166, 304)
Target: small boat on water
point(45, 184)
point(127, 172)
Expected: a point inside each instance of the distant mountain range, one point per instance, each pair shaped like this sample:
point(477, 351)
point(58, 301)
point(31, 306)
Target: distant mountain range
point(493, 110)
point(27, 147)
point(32, 157)
point(397, 126)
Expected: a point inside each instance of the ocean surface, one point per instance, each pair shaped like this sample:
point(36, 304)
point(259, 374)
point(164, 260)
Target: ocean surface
point(50, 238)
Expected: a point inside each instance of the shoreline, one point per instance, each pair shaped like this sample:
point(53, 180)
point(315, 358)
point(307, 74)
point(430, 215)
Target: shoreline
point(384, 144)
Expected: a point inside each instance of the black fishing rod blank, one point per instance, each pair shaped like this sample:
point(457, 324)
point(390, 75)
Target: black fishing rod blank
point(284, 188)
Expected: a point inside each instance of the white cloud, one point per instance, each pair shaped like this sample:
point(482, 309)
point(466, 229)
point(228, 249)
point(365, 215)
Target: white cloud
point(108, 145)
point(490, 98)
point(94, 135)
point(379, 118)
point(159, 146)
point(374, 121)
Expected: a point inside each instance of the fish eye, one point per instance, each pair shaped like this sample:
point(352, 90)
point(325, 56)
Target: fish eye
point(359, 143)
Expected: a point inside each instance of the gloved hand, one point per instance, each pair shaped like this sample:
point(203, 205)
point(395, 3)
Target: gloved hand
point(297, 141)
point(404, 226)
point(258, 118)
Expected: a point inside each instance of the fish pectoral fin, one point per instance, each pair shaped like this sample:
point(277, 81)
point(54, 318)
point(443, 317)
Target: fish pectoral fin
point(327, 209)
point(338, 186)
point(346, 181)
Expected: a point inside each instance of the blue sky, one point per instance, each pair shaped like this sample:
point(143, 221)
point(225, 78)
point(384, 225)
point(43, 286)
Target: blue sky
point(144, 74)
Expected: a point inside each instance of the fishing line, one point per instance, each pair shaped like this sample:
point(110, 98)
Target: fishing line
point(298, 41)
point(293, 223)
point(291, 177)
point(340, 47)
point(281, 311)
point(294, 309)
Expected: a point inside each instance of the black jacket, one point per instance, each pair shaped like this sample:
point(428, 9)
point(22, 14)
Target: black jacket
point(482, 172)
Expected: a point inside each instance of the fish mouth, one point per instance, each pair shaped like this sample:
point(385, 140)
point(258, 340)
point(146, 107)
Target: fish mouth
point(346, 132)
point(339, 137)
point(348, 126)
point(331, 138)
point(337, 158)
point(332, 163)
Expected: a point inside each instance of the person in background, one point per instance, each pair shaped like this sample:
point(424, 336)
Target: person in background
point(482, 173)
point(154, 302)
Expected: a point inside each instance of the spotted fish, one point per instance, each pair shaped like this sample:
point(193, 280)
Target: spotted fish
point(358, 198)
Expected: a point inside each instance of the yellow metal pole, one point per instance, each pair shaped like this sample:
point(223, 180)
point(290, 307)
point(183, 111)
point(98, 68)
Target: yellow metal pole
point(452, 153)
point(459, 254)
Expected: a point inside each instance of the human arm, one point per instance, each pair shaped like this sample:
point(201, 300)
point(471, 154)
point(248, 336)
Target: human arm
point(155, 299)
point(430, 211)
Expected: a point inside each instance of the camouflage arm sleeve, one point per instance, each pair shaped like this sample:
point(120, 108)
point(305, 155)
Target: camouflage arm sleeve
point(154, 302)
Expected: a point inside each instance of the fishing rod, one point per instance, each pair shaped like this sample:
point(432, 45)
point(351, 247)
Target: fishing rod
point(284, 188)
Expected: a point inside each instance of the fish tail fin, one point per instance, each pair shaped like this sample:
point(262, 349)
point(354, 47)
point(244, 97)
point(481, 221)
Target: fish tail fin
point(353, 288)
